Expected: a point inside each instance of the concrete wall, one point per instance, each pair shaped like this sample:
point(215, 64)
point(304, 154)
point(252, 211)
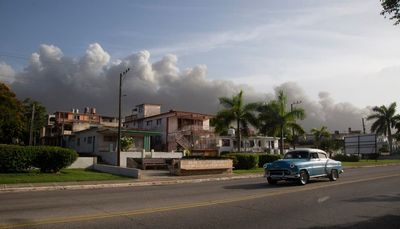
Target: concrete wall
point(129, 172)
point(205, 164)
point(166, 155)
point(83, 163)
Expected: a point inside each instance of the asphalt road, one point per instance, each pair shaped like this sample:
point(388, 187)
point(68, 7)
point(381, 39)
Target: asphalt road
point(361, 198)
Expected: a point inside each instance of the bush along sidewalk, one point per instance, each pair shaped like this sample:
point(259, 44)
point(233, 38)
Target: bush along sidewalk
point(48, 159)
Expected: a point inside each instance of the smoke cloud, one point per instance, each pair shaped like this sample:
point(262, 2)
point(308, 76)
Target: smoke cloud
point(62, 83)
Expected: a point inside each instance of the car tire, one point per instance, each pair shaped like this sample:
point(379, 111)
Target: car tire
point(271, 181)
point(334, 175)
point(304, 177)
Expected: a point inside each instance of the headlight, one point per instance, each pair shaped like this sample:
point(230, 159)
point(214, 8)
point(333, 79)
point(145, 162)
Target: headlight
point(292, 166)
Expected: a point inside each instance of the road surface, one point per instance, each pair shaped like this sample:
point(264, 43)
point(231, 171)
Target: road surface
point(361, 198)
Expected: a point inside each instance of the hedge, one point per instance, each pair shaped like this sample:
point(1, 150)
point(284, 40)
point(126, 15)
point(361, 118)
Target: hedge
point(344, 157)
point(267, 158)
point(15, 158)
point(53, 159)
point(244, 160)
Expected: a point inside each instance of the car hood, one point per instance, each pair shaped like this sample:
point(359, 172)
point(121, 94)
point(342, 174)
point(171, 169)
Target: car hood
point(284, 163)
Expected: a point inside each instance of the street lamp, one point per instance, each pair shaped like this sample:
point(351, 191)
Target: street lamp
point(291, 109)
point(121, 75)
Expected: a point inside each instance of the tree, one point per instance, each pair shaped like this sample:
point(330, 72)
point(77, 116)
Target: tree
point(391, 8)
point(39, 121)
point(11, 119)
point(385, 119)
point(276, 119)
point(319, 134)
point(235, 111)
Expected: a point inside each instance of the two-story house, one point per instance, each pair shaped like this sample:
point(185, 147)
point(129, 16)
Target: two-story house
point(180, 130)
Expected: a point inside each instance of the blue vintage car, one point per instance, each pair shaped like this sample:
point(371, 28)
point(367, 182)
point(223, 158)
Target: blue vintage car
point(301, 165)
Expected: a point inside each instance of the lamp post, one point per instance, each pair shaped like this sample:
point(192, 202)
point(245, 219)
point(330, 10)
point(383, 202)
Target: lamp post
point(121, 75)
point(291, 109)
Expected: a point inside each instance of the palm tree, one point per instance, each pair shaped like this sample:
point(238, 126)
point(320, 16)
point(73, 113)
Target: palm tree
point(319, 134)
point(385, 119)
point(235, 111)
point(275, 119)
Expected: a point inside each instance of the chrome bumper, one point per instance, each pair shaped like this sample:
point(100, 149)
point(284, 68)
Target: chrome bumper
point(282, 176)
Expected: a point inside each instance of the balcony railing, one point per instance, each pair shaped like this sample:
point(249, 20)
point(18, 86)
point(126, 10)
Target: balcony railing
point(196, 128)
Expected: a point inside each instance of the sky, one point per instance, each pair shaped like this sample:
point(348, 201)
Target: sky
point(339, 58)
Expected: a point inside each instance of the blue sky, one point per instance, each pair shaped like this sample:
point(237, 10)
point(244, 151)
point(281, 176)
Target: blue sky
point(344, 48)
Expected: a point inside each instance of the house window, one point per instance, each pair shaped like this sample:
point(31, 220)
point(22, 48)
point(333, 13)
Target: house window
point(76, 117)
point(78, 142)
point(158, 122)
point(89, 140)
point(84, 139)
point(148, 123)
point(226, 142)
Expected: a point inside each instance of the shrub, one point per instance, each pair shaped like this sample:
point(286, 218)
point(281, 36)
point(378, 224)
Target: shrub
point(244, 160)
point(15, 158)
point(343, 157)
point(53, 159)
point(126, 143)
point(267, 158)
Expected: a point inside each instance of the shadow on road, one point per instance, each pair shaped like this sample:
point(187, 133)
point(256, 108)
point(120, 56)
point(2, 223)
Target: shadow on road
point(264, 185)
point(387, 222)
point(379, 198)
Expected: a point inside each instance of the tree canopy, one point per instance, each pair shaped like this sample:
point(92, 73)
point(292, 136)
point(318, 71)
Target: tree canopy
point(276, 119)
point(391, 8)
point(385, 119)
point(11, 118)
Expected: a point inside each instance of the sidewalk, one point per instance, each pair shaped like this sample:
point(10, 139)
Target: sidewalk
point(148, 179)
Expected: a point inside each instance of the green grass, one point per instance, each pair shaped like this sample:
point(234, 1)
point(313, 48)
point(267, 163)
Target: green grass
point(369, 162)
point(243, 171)
point(65, 175)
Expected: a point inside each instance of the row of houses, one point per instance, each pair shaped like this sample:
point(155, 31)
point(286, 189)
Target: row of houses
point(93, 134)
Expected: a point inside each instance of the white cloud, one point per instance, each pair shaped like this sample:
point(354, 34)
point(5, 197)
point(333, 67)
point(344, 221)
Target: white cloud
point(7, 73)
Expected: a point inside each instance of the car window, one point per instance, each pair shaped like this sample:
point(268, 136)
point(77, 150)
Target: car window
point(296, 155)
point(314, 155)
point(322, 155)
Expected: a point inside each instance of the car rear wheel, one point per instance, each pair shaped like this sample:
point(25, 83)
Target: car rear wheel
point(334, 175)
point(271, 181)
point(304, 177)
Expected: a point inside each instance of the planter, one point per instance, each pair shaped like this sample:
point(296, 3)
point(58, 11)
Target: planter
point(200, 167)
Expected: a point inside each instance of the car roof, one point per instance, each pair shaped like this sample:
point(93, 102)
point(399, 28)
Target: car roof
point(308, 149)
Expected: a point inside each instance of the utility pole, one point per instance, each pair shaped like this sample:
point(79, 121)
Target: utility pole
point(119, 117)
point(363, 123)
point(291, 109)
point(31, 126)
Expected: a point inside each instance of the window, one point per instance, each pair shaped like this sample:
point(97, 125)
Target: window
point(84, 139)
point(76, 117)
point(322, 155)
point(148, 123)
point(158, 122)
point(226, 142)
point(314, 155)
point(78, 142)
point(89, 140)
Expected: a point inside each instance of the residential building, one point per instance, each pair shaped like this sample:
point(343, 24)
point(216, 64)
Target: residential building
point(180, 130)
point(102, 142)
point(255, 144)
point(62, 124)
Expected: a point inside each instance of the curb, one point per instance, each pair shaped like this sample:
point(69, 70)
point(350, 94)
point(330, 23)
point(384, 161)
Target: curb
point(55, 187)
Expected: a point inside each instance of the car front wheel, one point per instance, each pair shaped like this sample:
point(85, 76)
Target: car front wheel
point(334, 175)
point(304, 177)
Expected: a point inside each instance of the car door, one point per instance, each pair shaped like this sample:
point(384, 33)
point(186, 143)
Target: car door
point(318, 164)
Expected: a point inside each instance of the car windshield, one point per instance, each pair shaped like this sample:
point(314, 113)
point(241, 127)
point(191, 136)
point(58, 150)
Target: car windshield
point(296, 155)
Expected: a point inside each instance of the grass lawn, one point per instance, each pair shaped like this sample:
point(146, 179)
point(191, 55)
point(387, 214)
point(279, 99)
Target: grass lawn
point(63, 176)
point(242, 171)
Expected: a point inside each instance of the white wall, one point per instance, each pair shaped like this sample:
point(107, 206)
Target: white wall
point(83, 163)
